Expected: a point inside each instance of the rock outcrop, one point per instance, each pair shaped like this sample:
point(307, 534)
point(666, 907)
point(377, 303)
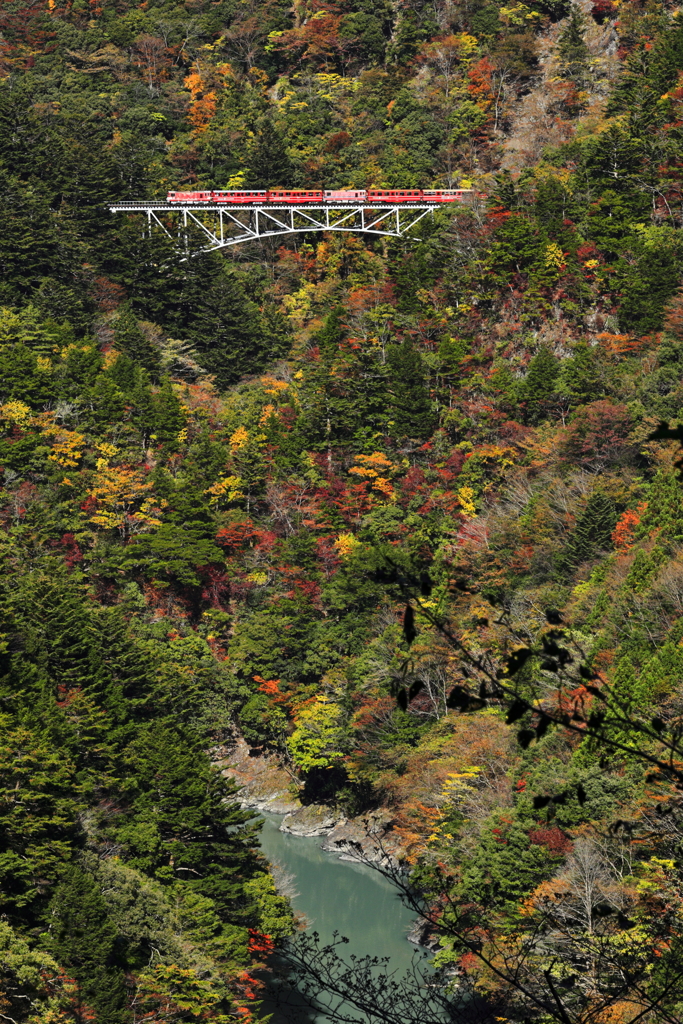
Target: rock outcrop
point(311, 820)
point(263, 783)
point(367, 838)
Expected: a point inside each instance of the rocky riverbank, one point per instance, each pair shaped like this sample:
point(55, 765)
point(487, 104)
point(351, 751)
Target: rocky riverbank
point(265, 785)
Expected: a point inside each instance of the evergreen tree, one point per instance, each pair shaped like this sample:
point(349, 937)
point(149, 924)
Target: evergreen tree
point(410, 408)
point(81, 369)
point(83, 940)
point(503, 193)
point(226, 328)
point(330, 335)
point(537, 390)
point(130, 340)
point(169, 419)
point(143, 405)
point(629, 701)
point(572, 50)
point(505, 865)
point(206, 459)
point(650, 279)
point(38, 831)
point(56, 630)
point(579, 378)
point(269, 165)
point(664, 506)
point(593, 531)
point(21, 376)
point(123, 372)
point(183, 825)
point(104, 402)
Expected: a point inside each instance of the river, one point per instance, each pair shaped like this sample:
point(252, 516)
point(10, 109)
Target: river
point(336, 895)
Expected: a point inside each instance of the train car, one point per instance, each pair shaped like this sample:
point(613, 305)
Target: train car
point(444, 195)
point(345, 195)
point(394, 195)
point(187, 198)
point(294, 196)
point(241, 196)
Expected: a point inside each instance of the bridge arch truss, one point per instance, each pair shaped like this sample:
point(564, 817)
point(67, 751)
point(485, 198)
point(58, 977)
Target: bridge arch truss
point(220, 227)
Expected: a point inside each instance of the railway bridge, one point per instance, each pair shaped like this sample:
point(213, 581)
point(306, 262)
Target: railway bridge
point(203, 221)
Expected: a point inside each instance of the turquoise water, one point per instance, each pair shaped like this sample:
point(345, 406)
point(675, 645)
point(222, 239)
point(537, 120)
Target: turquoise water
point(336, 895)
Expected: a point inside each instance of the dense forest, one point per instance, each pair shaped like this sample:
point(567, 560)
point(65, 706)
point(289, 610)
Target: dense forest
point(406, 513)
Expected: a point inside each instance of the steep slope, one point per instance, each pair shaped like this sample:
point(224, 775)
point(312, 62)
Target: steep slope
point(406, 515)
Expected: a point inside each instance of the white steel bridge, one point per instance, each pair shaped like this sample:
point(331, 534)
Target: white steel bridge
point(198, 228)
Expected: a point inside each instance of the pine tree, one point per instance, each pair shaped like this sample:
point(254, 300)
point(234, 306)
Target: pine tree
point(81, 368)
point(22, 378)
point(56, 630)
point(409, 404)
point(129, 339)
point(104, 402)
point(39, 831)
point(537, 390)
point(572, 50)
point(630, 698)
point(83, 940)
point(503, 194)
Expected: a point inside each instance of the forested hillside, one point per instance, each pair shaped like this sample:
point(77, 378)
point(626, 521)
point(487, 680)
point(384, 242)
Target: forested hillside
point(406, 512)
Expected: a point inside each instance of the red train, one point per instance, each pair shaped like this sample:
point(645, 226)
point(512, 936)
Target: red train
point(299, 197)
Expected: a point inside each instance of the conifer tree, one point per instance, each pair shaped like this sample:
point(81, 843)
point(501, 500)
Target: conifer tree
point(572, 50)
point(22, 378)
point(83, 940)
point(579, 379)
point(123, 372)
point(503, 193)
point(129, 339)
point(143, 402)
point(630, 698)
point(593, 530)
point(409, 405)
point(330, 335)
point(537, 390)
point(104, 402)
point(39, 831)
point(225, 327)
point(168, 415)
point(269, 165)
point(127, 683)
point(81, 368)
point(664, 506)
point(183, 825)
point(56, 630)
